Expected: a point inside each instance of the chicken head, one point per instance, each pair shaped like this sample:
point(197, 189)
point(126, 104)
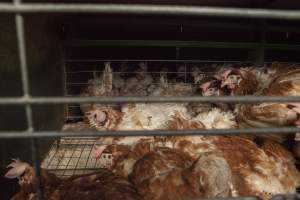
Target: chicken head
point(231, 81)
point(17, 168)
point(210, 89)
point(103, 117)
point(239, 81)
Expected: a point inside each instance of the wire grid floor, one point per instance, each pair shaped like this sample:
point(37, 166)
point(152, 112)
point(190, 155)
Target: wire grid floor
point(71, 156)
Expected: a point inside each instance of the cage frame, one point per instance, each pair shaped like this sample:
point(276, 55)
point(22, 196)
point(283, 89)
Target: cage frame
point(19, 9)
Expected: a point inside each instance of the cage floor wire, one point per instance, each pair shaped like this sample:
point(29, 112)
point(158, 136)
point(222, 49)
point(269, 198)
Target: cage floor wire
point(71, 156)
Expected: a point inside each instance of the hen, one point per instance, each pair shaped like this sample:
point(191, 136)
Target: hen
point(99, 185)
point(274, 114)
point(172, 174)
point(123, 152)
point(100, 86)
point(137, 85)
point(216, 166)
point(210, 86)
point(239, 81)
point(140, 116)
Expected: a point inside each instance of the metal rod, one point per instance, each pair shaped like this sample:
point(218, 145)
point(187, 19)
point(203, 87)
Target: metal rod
point(182, 44)
point(160, 60)
point(69, 60)
point(20, 29)
point(150, 10)
point(23, 64)
point(229, 198)
point(47, 134)
point(148, 99)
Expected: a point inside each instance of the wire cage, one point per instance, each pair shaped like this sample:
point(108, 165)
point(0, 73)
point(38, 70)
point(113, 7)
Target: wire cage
point(71, 153)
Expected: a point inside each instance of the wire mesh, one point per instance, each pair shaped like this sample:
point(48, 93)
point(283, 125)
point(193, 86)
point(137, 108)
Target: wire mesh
point(19, 20)
point(71, 156)
point(77, 74)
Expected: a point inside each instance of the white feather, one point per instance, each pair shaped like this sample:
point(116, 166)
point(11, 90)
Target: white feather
point(217, 119)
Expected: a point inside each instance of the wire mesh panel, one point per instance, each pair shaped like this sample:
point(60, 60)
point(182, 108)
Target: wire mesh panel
point(79, 71)
point(71, 156)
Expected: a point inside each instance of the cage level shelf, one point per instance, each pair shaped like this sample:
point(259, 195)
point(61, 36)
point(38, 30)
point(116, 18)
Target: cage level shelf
point(182, 44)
point(70, 156)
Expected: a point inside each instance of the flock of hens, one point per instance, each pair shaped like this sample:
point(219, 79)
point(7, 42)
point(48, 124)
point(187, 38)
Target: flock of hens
point(182, 167)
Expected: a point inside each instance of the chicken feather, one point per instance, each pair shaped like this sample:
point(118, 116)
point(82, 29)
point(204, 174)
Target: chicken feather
point(98, 185)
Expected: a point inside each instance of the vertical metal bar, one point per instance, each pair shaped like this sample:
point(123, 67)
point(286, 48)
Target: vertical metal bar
point(66, 107)
point(185, 73)
point(26, 91)
point(260, 52)
point(177, 50)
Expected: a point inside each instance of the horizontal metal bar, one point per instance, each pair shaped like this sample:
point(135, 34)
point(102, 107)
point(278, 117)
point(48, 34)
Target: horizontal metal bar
point(228, 198)
point(159, 43)
point(126, 72)
point(181, 44)
point(146, 99)
point(140, 9)
point(158, 60)
point(286, 197)
point(70, 60)
point(47, 134)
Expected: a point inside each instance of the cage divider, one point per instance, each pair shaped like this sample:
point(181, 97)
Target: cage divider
point(195, 132)
point(20, 30)
point(180, 44)
point(150, 9)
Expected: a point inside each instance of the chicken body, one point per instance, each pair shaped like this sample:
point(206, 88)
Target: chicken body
point(94, 186)
point(271, 81)
point(216, 166)
point(274, 114)
point(149, 116)
point(125, 151)
point(137, 85)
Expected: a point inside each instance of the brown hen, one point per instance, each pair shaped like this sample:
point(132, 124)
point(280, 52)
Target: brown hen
point(274, 114)
point(94, 186)
point(239, 81)
point(217, 166)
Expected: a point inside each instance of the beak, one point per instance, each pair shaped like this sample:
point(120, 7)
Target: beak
point(224, 83)
point(99, 150)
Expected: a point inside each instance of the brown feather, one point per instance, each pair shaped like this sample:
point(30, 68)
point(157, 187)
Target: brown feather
point(99, 185)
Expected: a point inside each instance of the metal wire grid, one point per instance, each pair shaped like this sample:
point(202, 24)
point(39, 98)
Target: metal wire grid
point(71, 156)
point(78, 72)
point(20, 8)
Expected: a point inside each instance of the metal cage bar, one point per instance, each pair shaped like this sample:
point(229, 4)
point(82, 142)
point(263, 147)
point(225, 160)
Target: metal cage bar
point(148, 99)
point(181, 44)
point(150, 10)
point(205, 132)
point(20, 29)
